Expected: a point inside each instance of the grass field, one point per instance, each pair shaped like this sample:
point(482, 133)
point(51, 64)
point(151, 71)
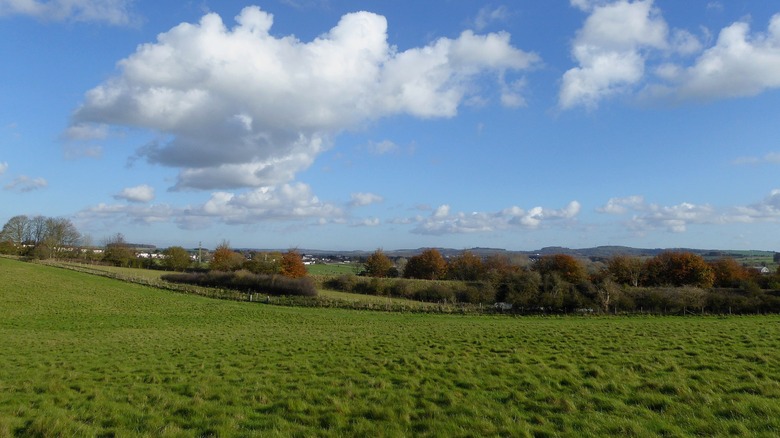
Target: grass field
point(90, 356)
point(332, 269)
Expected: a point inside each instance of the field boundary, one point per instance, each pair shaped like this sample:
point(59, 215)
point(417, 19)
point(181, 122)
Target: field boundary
point(290, 301)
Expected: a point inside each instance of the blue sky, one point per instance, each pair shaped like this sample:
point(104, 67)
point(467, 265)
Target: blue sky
point(359, 125)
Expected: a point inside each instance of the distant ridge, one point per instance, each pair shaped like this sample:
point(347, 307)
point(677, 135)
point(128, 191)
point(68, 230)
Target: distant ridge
point(596, 253)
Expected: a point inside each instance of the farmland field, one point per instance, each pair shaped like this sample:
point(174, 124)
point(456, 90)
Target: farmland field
point(332, 269)
point(87, 356)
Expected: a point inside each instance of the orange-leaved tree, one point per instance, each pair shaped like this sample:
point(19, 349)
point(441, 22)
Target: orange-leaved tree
point(674, 268)
point(566, 266)
point(378, 264)
point(429, 265)
point(292, 265)
point(466, 267)
point(225, 259)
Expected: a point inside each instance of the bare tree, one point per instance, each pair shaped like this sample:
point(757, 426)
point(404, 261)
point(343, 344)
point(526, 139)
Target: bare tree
point(16, 230)
point(37, 230)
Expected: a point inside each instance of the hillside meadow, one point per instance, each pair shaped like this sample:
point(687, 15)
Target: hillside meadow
point(90, 356)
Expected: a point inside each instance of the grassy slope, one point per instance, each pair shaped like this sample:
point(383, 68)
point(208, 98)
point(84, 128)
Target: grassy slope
point(87, 355)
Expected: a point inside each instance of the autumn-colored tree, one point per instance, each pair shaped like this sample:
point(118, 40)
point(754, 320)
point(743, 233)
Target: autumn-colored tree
point(567, 267)
point(176, 258)
point(225, 259)
point(679, 269)
point(728, 272)
point(466, 267)
point(378, 264)
point(429, 265)
point(498, 266)
point(292, 265)
point(625, 269)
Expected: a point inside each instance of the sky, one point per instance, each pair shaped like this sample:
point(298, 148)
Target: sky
point(349, 125)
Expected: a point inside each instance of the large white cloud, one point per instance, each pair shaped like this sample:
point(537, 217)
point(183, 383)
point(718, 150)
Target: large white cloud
point(116, 12)
point(3, 167)
point(609, 50)
point(622, 40)
point(240, 107)
point(739, 64)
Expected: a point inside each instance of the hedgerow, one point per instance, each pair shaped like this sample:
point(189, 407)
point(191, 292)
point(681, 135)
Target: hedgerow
point(248, 282)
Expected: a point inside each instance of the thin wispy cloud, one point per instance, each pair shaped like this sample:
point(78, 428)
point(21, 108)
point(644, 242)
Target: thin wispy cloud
point(25, 184)
point(113, 12)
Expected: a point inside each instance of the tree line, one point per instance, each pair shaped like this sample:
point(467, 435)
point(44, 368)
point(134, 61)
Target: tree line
point(39, 237)
point(672, 281)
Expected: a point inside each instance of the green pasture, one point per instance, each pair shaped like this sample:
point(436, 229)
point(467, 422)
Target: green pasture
point(332, 268)
point(83, 355)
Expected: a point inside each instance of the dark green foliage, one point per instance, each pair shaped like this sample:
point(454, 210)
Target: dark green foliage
point(435, 293)
point(264, 263)
point(477, 292)
point(117, 252)
point(7, 247)
point(343, 283)
point(176, 258)
point(247, 282)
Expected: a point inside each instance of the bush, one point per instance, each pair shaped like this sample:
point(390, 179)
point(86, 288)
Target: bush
point(435, 293)
point(343, 283)
point(478, 292)
point(246, 281)
point(401, 289)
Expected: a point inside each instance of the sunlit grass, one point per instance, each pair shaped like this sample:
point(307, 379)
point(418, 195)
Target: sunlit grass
point(83, 355)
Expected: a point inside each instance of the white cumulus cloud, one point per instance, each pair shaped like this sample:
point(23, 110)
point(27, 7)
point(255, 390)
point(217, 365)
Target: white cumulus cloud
point(3, 167)
point(142, 193)
point(767, 209)
point(623, 39)
point(443, 221)
point(609, 50)
point(739, 64)
point(363, 199)
point(622, 205)
point(239, 107)
point(646, 216)
point(286, 202)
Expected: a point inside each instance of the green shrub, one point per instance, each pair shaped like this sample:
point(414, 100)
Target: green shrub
point(343, 283)
point(248, 282)
point(435, 293)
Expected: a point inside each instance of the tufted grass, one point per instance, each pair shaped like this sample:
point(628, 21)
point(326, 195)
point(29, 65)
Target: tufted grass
point(83, 355)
